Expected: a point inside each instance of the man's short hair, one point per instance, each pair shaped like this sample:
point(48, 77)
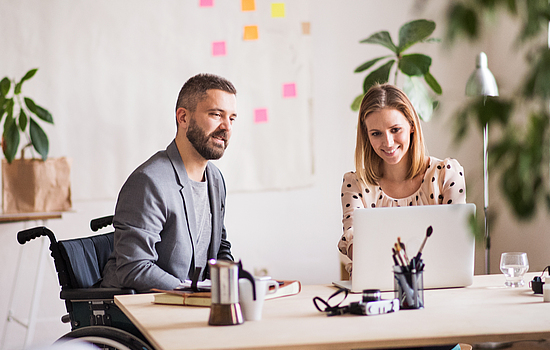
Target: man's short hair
point(194, 90)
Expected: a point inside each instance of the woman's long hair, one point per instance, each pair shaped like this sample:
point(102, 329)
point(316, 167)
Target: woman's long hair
point(368, 165)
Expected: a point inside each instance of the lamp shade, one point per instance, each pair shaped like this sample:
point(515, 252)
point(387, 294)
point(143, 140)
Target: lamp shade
point(481, 82)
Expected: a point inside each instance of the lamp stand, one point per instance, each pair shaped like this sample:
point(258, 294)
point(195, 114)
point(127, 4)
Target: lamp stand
point(486, 198)
point(482, 83)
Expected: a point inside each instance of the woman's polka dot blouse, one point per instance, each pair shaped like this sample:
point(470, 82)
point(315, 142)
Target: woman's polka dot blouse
point(443, 183)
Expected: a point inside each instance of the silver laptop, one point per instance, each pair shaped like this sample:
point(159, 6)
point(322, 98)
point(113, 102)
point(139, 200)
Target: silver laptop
point(448, 254)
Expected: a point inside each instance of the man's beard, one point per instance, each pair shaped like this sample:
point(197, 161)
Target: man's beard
point(202, 142)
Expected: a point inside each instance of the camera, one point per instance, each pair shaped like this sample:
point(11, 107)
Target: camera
point(373, 304)
point(537, 285)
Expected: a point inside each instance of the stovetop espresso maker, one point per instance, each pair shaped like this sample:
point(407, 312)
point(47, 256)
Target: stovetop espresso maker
point(224, 275)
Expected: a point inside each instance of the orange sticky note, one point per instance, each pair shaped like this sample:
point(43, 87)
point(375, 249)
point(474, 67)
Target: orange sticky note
point(248, 5)
point(218, 48)
point(260, 115)
point(289, 90)
point(277, 9)
point(250, 32)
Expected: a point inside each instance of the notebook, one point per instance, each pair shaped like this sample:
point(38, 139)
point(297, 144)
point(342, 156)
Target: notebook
point(448, 253)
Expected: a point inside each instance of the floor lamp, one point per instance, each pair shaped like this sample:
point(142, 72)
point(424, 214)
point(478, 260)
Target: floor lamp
point(482, 83)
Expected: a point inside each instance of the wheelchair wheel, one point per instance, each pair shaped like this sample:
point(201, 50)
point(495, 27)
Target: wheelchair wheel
point(106, 338)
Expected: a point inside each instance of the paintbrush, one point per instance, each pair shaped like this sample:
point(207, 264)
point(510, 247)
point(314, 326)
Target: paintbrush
point(402, 245)
point(396, 253)
point(429, 232)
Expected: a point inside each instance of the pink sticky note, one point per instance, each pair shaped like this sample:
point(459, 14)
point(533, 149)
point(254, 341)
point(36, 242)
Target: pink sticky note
point(260, 115)
point(289, 90)
point(206, 3)
point(218, 48)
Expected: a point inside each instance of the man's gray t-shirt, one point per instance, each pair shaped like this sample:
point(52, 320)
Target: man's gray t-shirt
point(204, 222)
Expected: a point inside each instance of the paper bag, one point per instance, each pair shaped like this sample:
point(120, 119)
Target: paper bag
point(34, 185)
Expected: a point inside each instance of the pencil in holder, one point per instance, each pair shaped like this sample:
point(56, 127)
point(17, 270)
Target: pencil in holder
point(409, 287)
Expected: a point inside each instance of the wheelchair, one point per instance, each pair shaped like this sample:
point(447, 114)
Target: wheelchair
point(92, 313)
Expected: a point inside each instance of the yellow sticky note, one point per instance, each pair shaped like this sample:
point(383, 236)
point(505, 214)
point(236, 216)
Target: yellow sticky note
point(250, 32)
point(248, 5)
point(277, 9)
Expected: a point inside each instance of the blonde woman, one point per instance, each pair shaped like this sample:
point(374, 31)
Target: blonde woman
point(391, 162)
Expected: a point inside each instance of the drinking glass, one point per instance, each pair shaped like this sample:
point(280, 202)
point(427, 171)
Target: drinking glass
point(514, 266)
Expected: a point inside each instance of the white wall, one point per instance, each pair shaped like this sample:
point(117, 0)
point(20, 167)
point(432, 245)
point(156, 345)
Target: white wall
point(292, 234)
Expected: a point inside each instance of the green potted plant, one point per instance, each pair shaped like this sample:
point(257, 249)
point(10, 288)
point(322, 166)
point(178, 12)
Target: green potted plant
point(29, 185)
point(415, 67)
point(12, 100)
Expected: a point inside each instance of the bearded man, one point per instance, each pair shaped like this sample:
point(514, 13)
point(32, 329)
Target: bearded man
point(169, 216)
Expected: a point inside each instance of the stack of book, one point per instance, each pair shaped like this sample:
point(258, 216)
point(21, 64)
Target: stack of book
point(189, 298)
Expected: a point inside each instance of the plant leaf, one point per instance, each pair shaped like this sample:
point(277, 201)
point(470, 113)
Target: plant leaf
point(462, 20)
point(381, 38)
point(415, 64)
point(492, 110)
point(11, 139)
point(39, 111)
point(39, 139)
point(356, 104)
point(512, 8)
point(537, 19)
point(9, 107)
point(476, 227)
point(30, 105)
point(17, 89)
point(432, 40)
point(368, 64)
point(412, 32)
point(432, 83)
point(538, 79)
point(43, 114)
point(22, 120)
point(5, 85)
point(420, 99)
point(27, 76)
point(461, 125)
point(379, 75)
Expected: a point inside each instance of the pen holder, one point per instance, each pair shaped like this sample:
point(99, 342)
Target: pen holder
point(409, 288)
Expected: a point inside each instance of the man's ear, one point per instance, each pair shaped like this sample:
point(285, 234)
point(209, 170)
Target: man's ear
point(182, 116)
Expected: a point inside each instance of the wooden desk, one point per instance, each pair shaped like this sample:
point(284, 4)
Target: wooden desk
point(486, 311)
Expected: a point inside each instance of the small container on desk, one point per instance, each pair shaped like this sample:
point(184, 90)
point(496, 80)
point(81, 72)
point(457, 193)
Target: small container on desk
point(409, 287)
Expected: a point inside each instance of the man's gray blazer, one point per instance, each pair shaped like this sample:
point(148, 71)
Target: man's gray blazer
point(155, 225)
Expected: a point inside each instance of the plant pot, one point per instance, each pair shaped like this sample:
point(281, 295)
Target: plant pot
point(34, 185)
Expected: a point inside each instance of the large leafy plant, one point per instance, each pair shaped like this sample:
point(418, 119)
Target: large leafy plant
point(20, 112)
point(520, 151)
point(414, 66)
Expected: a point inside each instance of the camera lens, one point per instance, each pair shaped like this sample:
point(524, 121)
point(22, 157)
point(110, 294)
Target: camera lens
point(371, 295)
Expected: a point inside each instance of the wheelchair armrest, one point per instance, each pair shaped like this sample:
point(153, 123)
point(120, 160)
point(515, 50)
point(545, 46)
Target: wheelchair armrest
point(93, 293)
